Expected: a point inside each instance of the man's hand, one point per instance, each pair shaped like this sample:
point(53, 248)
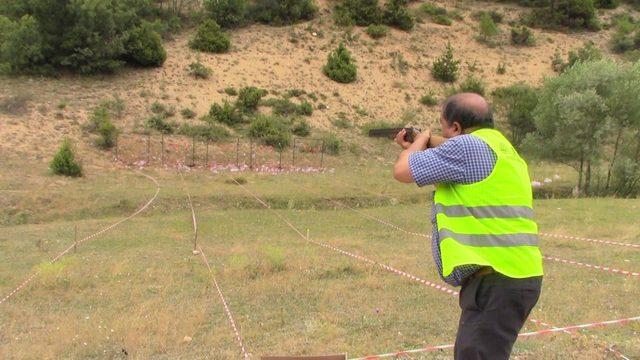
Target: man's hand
point(400, 139)
point(401, 171)
point(422, 140)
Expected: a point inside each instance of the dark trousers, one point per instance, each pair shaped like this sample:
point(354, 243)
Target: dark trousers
point(494, 308)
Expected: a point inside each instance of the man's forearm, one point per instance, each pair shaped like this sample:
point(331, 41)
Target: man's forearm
point(401, 171)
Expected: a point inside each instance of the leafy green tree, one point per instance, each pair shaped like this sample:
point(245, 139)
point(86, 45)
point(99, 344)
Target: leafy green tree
point(210, 38)
point(517, 102)
point(64, 162)
point(585, 115)
point(487, 28)
point(446, 67)
point(396, 14)
point(227, 13)
point(272, 130)
point(283, 12)
point(85, 36)
point(340, 66)
point(249, 98)
point(144, 46)
point(21, 47)
point(358, 12)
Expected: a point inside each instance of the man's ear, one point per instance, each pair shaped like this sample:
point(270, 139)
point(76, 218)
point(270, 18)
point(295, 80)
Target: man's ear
point(457, 128)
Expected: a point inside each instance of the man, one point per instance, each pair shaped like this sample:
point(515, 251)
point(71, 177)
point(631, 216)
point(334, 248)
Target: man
point(484, 236)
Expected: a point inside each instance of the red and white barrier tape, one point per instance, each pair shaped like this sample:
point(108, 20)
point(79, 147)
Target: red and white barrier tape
point(559, 236)
point(35, 274)
point(572, 262)
point(355, 256)
point(245, 354)
point(564, 329)
point(607, 242)
point(392, 225)
point(597, 267)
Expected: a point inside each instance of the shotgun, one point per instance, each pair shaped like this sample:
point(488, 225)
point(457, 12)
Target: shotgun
point(392, 132)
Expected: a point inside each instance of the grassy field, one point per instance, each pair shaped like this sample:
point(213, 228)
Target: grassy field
point(139, 291)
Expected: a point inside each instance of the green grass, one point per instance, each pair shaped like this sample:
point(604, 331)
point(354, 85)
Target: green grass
point(139, 287)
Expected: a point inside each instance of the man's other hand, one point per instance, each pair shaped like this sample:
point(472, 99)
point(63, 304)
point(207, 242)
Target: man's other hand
point(400, 139)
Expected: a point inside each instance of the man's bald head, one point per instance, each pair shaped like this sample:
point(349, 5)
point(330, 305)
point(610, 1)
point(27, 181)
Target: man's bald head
point(469, 110)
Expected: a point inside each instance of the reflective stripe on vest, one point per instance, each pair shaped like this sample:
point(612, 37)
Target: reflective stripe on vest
point(502, 240)
point(485, 211)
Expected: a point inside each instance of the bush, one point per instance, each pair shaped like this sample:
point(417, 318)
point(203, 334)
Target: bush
point(285, 107)
point(231, 91)
point(606, 4)
point(431, 9)
point(283, 12)
point(100, 123)
point(64, 162)
point(340, 66)
point(473, 85)
point(342, 121)
point(502, 68)
point(301, 128)
point(108, 133)
point(488, 29)
point(158, 123)
point(21, 46)
point(494, 15)
point(188, 113)
point(377, 31)
point(358, 12)
point(446, 68)
point(210, 132)
point(210, 38)
point(517, 102)
point(226, 114)
point(43, 36)
point(249, 98)
point(566, 13)
point(332, 145)
point(271, 130)
point(396, 14)
point(441, 20)
point(522, 36)
point(429, 99)
point(199, 71)
point(227, 13)
point(144, 46)
point(589, 52)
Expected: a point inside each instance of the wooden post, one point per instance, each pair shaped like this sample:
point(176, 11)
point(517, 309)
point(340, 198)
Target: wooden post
point(251, 154)
point(117, 135)
point(322, 155)
point(75, 238)
point(162, 147)
point(207, 156)
point(238, 153)
point(280, 159)
point(148, 148)
point(293, 154)
point(193, 151)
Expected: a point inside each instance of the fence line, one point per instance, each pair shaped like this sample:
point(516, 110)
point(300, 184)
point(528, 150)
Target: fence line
point(193, 151)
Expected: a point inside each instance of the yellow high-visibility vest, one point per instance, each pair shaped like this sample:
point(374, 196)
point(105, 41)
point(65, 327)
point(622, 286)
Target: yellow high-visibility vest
point(490, 222)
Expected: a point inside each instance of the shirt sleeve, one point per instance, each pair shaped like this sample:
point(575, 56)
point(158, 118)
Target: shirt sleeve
point(443, 164)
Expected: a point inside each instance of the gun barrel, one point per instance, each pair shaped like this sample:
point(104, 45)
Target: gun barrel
point(392, 132)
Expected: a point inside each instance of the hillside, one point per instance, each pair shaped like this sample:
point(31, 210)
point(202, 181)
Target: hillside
point(38, 112)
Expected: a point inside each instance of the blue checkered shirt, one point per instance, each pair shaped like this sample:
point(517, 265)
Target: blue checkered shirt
point(463, 159)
